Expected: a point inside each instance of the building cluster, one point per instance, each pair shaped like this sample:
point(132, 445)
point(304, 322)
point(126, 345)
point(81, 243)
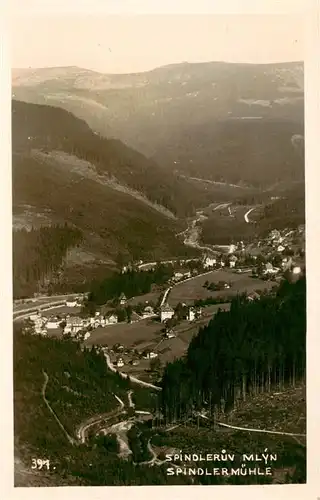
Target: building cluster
point(167, 313)
point(122, 356)
point(269, 257)
point(70, 325)
point(180, 275)
point(213, 262)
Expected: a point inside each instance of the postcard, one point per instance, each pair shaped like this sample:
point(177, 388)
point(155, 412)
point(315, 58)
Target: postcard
point(159, 250)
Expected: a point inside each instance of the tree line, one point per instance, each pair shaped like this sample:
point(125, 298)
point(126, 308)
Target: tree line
point(38, 254)
point(132, 283)
point(253, 348)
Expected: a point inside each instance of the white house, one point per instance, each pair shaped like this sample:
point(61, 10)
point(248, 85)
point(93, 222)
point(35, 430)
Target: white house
point(232, 261)
point(166, 312)
point(280, 248)
point(209, 262)
point(120, 363)
point(74, 324)
point(53, 323)
point(296, 270)
point(123, 299)
point(191, 316)
point(170, 335)
point(71, 303)
point(38, 322)
point(87, 335)
point(39, 325)
point(150, 355)
point(103, 321)
point(232, 248)
point(112, 319)
point(178, 275)
point(35, 316)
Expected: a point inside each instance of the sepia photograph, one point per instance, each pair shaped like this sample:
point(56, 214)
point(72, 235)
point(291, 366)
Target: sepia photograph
point(158, 247)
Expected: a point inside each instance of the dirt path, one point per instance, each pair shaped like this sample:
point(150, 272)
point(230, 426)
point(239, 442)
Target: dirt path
point(43, 393)
point(248, 429)
point(131, 403)
point(260, 430)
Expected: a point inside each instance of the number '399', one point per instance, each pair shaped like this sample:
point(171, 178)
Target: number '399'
point(39, 463)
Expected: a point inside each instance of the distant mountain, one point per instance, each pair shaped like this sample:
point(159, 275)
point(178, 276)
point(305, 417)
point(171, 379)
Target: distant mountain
point(215, 120)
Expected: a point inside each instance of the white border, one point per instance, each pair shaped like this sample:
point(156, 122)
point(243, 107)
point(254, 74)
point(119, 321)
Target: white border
point(33, 7)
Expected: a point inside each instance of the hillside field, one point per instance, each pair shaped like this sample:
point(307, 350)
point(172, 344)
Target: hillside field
point(192, 290)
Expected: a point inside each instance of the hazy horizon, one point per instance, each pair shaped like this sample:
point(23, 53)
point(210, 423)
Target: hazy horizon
point(35, 68)
point(122, 44)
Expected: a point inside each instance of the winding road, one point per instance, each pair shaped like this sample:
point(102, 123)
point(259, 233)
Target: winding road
point(246, 218)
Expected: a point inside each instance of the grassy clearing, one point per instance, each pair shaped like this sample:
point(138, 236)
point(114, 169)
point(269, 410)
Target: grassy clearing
point(148, 297)
point(283, 411)
point(192, 290)
point(61, 310)
point(126, 334)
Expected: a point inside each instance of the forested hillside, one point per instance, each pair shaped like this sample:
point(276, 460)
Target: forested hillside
point(38, 254)
point(288, 211)
point(47, 128)
point(257, 152)
point(253, 348)
point(63, 172)
point(131, 283)
point(77, 385)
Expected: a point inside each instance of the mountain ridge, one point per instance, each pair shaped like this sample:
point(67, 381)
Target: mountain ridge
point(158, 112)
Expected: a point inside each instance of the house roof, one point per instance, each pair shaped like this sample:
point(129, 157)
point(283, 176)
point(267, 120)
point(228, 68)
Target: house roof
point(148, 308)
point(75, 320)
point(209, 257)
point(122, 296)
point(166, 308)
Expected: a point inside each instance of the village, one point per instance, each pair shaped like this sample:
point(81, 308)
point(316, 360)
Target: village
point(142, 333)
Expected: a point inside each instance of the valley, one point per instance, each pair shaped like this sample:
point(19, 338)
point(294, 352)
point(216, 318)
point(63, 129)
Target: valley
point(274, 419)
point(159, 275)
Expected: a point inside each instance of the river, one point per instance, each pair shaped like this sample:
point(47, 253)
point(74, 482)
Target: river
point(191, 236)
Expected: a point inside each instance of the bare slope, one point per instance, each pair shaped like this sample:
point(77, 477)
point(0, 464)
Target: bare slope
point(63, 172)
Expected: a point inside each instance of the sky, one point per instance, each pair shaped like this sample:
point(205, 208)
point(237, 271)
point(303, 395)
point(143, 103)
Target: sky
point(121, 43)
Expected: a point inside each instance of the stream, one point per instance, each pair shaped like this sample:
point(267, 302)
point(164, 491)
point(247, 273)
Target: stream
point(191, 236)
